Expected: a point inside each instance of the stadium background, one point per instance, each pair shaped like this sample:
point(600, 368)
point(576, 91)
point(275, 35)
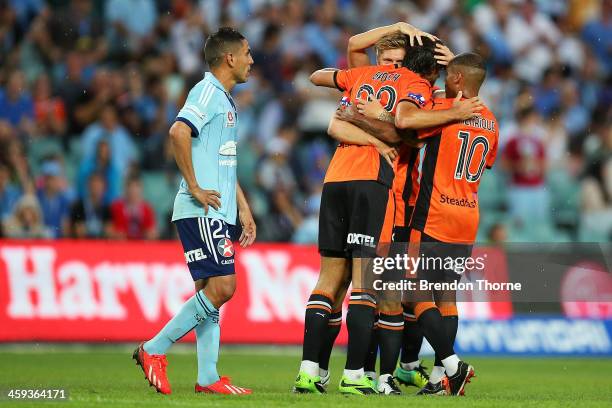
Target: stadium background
point(88, 90)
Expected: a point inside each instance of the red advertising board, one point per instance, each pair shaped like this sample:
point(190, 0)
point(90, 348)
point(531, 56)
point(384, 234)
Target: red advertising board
point(126, 291)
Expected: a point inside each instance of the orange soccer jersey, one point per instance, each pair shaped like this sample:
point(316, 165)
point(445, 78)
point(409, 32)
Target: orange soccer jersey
point(389, 84)
point(405, 184)
point(455, 158)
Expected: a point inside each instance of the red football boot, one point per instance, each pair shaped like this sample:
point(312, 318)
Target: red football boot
point(223, 386)
point(154, 367)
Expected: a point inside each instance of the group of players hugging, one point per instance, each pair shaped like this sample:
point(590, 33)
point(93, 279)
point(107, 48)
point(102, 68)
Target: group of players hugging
point(406, 171)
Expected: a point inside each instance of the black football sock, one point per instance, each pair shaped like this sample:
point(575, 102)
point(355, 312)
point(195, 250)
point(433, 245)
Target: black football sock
point(359, 322)
point(451, 324)
point(333, 328)
point(390, 327)
point(434, 331)
point(316, 320)
point(412, 338)
point(370, 361)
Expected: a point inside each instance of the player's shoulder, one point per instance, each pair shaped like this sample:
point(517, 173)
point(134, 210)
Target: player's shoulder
point(203, 92)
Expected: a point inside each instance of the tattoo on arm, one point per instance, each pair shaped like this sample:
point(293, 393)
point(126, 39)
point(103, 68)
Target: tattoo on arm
point(386, 116)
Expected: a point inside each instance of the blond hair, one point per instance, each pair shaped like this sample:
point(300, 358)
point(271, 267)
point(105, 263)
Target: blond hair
point(390, 42)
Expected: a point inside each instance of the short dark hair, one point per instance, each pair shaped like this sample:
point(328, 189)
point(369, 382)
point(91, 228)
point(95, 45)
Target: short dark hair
point(220, 43)
point(420, 58)
point(469, 59)
point(473, 65)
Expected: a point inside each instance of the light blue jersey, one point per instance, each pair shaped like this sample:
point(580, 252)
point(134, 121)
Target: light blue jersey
point(211, 114)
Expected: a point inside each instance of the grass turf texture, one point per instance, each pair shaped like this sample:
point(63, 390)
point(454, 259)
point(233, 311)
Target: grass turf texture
point(107, 377)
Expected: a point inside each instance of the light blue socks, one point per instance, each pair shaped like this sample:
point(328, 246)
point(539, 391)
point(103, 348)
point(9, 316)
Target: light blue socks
point(207, 336)
point(194, 311)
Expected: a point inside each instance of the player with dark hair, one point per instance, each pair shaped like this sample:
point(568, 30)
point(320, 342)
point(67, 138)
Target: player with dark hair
point(358, 175)
point(389, 43)
point(207, 205)
point(445, 218)
point(322, 329)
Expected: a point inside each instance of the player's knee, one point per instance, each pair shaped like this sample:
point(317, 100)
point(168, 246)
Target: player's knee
point(220, 291)
point(328, 284)
point(226, 290)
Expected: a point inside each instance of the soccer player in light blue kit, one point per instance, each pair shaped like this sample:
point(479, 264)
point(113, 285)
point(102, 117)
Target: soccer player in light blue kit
point(206, 207)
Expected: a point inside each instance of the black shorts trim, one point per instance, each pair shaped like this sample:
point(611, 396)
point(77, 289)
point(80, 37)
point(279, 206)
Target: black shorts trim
point(327, 253)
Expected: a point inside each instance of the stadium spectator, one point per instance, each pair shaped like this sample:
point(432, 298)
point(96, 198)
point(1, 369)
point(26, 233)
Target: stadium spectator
point(9, 193)
point(71, 88)
point(49, 111)
point(90, 217)
point(323, 35)
point(525, 159)
point(556, 141)
point(53, 200)
point(596, 187)
point(92, 99)
point(547, 93)
point(498, 234)
point(26, 222)
point(187, 39)
point(274, 170)
point(16, 103)
point(131, 24)
point(131, 216)
point(108, 128)
point(532, 37)
point(597, 33)
point(308, 230)
point(12, 155)
point(79, 27)
point(576, 116)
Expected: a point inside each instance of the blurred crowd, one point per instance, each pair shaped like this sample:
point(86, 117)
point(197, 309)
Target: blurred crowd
point(89, 89)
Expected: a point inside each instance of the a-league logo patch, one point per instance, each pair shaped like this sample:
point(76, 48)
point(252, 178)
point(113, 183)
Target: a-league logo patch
point(231, 122)
point(225, 247)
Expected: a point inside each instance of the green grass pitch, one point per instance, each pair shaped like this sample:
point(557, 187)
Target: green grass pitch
point(107, 377)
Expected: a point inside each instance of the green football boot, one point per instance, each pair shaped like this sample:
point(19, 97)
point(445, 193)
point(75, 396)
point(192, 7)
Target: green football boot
point(363, 386)
point(417, 377)
point(308, 384)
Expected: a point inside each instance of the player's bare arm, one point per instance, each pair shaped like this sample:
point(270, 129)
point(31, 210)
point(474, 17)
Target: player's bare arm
point(324, 77)
point(345, 132)
point(180, 137)
point(384, 128)
point(409, 116)
point(359, 43)
point(249, 229)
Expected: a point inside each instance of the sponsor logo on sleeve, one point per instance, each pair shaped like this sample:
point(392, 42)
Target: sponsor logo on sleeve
point(418, 98)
